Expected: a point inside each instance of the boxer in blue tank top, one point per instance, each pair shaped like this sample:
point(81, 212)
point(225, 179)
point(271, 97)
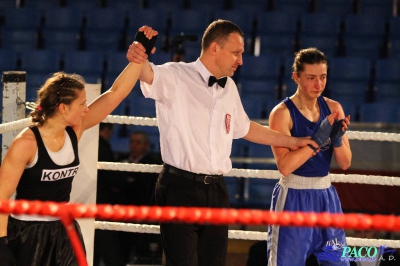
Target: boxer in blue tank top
point(305, 184)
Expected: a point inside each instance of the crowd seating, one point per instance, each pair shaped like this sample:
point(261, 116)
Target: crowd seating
point(281, 28)
point(8, 59)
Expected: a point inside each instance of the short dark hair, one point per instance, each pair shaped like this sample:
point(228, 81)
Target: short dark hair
point(142, 133)
point(308, 56)
point(218, 31)
point(105, 125)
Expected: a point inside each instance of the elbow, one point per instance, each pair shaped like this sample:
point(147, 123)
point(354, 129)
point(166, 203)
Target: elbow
point(345, 165)
point(146, 80)
point(284, 168)
point(284, 171)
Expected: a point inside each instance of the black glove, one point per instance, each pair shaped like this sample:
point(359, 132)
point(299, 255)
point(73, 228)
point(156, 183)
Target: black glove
point(337, 133)
point(147, 43)
point(7, 258)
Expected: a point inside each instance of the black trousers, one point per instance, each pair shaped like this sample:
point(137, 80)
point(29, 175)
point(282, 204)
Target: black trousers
point(109, 247)
point(192, 244)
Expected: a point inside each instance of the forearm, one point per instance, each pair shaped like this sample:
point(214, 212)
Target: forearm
point(147, 74)
point(108, 101)
point(343, 155)
point(264, 135)
point(3, 224)
point(126, 80)
point(5, 193)
point(289, 161)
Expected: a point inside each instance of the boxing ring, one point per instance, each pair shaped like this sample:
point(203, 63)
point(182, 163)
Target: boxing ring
point(121, 215)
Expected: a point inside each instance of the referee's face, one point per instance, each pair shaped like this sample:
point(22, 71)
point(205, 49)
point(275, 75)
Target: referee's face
point(229, 55)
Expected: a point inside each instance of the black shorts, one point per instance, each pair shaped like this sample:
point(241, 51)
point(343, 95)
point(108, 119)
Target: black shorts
point(41, 243)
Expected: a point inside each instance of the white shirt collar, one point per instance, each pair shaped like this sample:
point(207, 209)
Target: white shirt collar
point(203, 71)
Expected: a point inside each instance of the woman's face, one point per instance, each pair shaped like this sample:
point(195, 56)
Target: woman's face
point(312, 80)
point(75, 111)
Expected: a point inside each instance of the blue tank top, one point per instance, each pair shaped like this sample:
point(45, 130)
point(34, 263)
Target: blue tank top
point(318, 165)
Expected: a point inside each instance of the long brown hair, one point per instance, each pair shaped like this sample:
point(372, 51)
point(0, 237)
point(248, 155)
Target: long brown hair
point(59, 88)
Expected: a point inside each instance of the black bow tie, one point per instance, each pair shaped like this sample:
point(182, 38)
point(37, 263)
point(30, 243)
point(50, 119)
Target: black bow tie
point(221, 82)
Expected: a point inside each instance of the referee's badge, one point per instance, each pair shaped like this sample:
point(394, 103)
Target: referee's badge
point(228, 123)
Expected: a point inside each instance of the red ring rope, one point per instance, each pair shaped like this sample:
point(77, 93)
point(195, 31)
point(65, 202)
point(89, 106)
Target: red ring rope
point(203, 215)
point(68, 212)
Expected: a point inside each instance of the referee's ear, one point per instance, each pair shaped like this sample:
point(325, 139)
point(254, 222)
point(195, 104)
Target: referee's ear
point(213, 48)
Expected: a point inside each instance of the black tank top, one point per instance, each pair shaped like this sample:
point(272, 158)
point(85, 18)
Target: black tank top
point(47, 181)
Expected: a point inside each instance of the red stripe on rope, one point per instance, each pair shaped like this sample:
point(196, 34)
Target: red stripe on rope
point(68, 212)
point(203, 215)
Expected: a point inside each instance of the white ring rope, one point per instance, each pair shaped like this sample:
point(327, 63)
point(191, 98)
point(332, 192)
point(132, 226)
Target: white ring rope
point(375, 136)
point(131, 120)
point(15, 125)
point(247, 173)
point(236, 234)
point(357, 135)
point(250, 173)
point(146, 121)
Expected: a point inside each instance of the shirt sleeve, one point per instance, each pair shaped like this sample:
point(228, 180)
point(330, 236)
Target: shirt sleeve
point(165, 81)
point(242, 121)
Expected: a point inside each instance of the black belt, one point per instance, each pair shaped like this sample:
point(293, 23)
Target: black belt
point(206, 179)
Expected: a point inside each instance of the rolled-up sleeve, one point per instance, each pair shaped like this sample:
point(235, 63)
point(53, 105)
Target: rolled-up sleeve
point(165, 83)
point(242, 121)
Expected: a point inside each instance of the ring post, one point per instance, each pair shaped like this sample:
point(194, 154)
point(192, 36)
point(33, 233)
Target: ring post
point(13, 109)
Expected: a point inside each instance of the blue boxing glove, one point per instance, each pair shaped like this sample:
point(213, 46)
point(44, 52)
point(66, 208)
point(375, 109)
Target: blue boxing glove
point(7, 258)
point(322, 134)
point(337, 133)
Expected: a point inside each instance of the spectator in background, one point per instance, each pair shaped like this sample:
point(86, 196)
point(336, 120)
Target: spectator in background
point(140, 190)
point(105, 133)
point(108, 246)
point(109, 188)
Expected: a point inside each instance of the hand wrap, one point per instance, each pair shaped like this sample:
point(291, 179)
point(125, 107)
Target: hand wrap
point(337, 133)
point(322, 134)
point(147, 43)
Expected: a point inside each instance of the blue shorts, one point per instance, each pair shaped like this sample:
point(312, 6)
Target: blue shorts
point(293, 245)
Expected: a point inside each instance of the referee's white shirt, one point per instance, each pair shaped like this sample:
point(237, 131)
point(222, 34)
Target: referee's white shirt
point(197, 123)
